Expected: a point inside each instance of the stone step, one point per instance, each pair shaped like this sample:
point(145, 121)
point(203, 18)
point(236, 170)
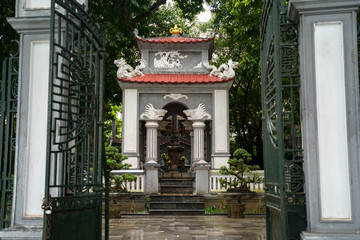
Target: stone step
point(177, 205)
point(177, 212)
point(176, 189)
point(176, 174)
point(176, 181)
point(176, 198)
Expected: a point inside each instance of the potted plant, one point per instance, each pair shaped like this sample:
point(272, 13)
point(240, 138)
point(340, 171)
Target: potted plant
point(238, 188)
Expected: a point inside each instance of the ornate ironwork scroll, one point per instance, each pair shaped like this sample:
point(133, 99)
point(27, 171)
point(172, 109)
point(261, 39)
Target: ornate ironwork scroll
point(75, 162)
point(283, 160)
point(8, 117)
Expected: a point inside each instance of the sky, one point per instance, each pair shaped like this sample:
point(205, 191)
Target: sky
point(204, 16)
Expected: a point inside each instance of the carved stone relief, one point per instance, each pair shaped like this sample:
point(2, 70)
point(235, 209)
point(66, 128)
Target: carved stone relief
point(198, 113)
point(153, 114)
point(175, 96)
point(125, 71)
point(170, 59)
point(225, 71)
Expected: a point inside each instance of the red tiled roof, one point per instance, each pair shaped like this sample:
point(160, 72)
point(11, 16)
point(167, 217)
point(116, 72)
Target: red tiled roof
point(175, 79)
point(175, 40)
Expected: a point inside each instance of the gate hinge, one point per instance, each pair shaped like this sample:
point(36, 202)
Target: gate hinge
point(47, 206)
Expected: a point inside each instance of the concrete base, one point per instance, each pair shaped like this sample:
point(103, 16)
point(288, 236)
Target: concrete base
point(152, 177)
point(202, 169)
point(21, 233)
point(329, 236)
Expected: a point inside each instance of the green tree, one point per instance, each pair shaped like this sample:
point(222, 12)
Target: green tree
point(237, 24)
point(7, 33)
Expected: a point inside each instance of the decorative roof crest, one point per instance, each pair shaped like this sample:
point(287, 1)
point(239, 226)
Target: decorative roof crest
point(153, 114)
point(175, 31)
point(198, 113)
point(125, 71)
point(225, 71)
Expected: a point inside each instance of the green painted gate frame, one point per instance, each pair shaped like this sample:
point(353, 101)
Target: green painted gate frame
point(75, 163)
point(283, 159)
point(8, 119)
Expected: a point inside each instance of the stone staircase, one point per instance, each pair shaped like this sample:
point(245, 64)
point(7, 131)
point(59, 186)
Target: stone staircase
point(176, 196)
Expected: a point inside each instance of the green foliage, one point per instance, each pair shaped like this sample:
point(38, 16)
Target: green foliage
point(214, 210)
point(238, 167)
point(237, 25)
point(115, 161)
point(7, 33)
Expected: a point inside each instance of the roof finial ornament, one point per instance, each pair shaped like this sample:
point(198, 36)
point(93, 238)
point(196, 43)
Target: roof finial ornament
point(176, 31)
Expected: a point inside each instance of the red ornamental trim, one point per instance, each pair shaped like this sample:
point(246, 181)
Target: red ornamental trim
point(176, 79)
point(175, 40)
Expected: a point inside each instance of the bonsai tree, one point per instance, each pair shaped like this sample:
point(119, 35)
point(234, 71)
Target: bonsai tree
point(238, 167)
point(115, 161)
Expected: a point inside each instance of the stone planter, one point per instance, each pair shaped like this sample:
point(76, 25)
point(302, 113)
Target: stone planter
point(235, 202)
point(116, 203)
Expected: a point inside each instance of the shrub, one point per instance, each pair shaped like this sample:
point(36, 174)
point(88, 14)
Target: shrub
point(238, 167)
point(115, 161)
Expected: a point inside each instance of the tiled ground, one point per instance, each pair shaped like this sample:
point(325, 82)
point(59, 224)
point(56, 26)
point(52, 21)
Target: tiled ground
point(186, 228)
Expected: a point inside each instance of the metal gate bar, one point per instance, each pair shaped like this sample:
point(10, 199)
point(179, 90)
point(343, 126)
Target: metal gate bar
point(284, 178)
point(75, 165)
point(8, 113)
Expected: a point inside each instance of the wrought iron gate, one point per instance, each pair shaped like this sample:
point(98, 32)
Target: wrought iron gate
point(283, 159)
point(75, 148)
point(8, 108)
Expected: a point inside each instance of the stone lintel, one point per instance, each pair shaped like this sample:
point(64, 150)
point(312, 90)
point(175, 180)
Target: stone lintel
point(312, 7)
point(25, 25)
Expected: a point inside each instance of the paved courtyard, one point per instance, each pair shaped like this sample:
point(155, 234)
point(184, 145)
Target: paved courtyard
point(187, 228)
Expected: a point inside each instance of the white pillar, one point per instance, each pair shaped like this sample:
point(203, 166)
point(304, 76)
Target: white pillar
point(198, 126)
point(151, 140)
point(192, 145)
point(151, 165)
point(200, 166)
point(220, 137)
point(130, 127)
point(330, 116)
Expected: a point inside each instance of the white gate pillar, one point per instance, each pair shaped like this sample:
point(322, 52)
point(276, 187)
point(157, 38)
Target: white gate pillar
point(330, 116)
point(32, 22)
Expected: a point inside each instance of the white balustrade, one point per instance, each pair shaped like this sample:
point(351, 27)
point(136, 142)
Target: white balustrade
point(136, 186)
point(215, 185)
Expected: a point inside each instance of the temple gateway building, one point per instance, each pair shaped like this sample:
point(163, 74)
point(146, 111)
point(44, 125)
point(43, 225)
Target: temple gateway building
point(175, 109)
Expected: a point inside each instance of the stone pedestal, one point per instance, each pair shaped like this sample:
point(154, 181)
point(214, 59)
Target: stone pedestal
point(330, 116)
point(202, 169)
point(151, 177)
